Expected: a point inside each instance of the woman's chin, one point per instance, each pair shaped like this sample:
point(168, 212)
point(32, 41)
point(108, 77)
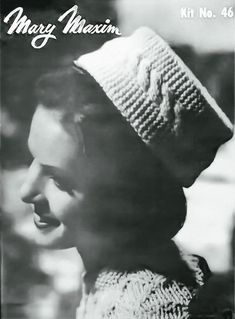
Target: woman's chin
point(54, 237)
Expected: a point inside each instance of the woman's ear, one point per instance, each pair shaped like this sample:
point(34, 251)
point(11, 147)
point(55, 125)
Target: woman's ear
point(78, 117)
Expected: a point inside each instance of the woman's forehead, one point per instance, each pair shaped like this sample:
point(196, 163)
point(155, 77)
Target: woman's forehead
point(50, 142)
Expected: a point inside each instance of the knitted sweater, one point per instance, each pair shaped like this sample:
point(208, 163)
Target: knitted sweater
point(140, 294)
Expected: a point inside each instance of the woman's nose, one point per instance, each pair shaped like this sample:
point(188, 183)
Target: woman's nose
point(31, 188)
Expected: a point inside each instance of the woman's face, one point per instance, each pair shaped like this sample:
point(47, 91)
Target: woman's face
point(87, 199)
point(54, 185)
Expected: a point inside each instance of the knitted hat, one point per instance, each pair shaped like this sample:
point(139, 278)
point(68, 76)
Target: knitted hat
point(161, 99)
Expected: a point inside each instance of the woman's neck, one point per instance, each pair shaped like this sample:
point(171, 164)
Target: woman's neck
point(161, 258)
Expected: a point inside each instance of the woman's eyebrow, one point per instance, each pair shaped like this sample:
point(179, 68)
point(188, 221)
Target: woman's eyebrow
point(48, 169)
point(58, 172)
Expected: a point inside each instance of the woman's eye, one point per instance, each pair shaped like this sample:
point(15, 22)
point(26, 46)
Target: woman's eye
point(63, 186)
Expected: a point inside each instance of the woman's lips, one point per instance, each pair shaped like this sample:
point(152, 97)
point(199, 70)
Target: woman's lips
point(43, 222)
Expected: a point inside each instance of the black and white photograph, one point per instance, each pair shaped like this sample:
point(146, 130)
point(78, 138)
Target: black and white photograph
point(117, 159)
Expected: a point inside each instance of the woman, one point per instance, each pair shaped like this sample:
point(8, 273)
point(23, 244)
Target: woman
point(108, 169)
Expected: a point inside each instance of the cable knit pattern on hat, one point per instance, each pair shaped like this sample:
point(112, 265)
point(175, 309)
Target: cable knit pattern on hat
point(140, 295)
point(161, 99)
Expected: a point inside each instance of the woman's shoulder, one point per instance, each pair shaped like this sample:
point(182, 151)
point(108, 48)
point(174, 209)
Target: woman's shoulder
point(142, 293)
point(199, 267)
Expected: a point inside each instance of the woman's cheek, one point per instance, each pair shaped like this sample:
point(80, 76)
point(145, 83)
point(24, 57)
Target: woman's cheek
point(62, 204)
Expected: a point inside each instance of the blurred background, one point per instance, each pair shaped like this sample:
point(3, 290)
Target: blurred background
point(43, 284)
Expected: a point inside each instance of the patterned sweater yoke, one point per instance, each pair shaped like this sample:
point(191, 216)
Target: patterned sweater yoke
point(141, 294)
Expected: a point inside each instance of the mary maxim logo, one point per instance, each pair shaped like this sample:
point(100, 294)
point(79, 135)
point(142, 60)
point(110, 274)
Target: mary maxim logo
point(21, 24)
